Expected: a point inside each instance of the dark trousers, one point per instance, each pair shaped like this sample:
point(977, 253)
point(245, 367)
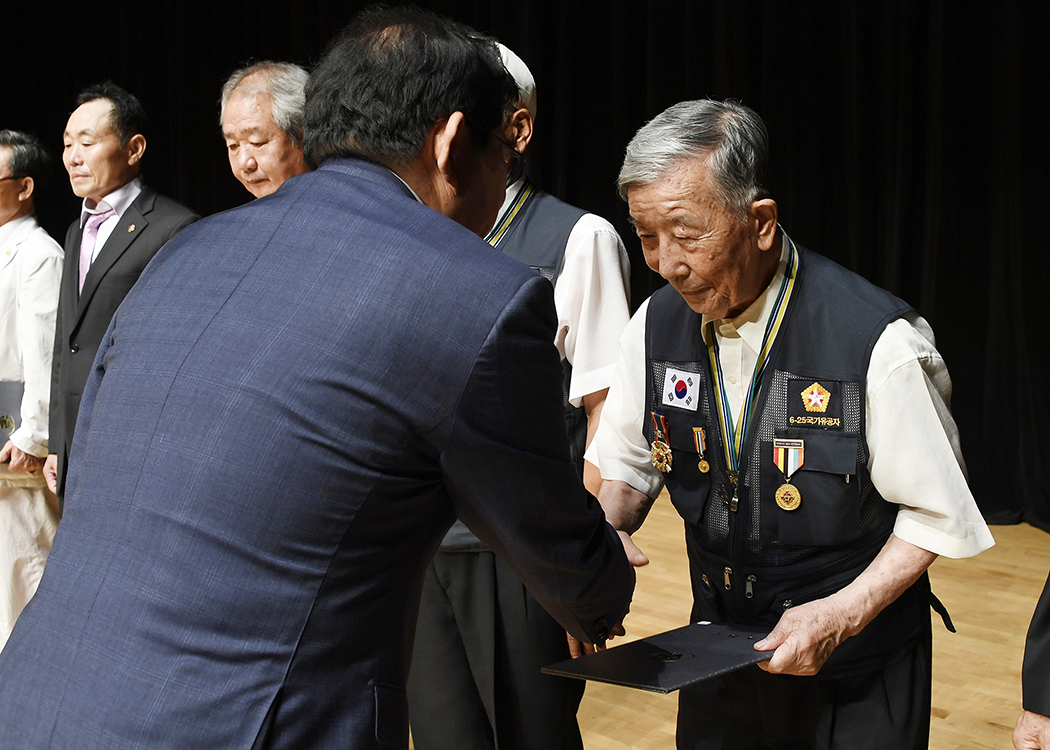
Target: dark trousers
point(475, 681)
point(886, 709)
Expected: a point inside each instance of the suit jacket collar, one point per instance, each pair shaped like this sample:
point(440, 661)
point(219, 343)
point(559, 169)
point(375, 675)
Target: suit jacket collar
point(368, 170)
point(129, 227)
point(118, 200)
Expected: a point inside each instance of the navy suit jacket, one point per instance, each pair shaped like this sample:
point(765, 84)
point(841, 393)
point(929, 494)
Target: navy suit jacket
point(286, 415)
point(149, 222)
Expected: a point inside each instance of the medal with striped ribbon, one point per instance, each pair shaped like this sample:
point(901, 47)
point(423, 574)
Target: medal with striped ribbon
point(734, 434)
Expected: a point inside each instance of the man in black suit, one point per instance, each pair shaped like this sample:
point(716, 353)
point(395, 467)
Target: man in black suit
point(122, 224)
point(1033, 727)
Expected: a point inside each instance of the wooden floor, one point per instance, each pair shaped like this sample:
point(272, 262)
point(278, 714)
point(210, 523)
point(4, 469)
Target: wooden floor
point(976, 671)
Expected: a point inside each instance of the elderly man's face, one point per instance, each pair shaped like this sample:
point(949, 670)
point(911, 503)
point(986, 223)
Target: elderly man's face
point(688, 236)
point(92, 154)
point(262, 156)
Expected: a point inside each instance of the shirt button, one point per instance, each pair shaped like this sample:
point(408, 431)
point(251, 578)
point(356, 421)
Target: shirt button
point(732, 379)
point(74, 349)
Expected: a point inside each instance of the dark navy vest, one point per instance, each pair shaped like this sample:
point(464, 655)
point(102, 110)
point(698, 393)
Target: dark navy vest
point(536, 236)
point(750, 563)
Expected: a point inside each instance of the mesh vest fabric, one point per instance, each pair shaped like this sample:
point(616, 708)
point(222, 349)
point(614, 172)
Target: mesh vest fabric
point(750, 564)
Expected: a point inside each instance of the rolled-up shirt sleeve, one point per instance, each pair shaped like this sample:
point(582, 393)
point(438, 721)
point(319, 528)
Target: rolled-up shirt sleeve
point(915, 456)
point(591, 298)
point(619, 449)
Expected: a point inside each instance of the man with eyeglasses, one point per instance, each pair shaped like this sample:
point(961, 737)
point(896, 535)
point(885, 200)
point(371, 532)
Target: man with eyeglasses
point(30, 272)
point(481, 636)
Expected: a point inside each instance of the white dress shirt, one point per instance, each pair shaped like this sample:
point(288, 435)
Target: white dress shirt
point(118, 200)
point(591, 297)
point(915, 457)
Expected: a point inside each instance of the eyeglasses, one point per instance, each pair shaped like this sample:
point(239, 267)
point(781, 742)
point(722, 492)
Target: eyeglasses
point(14, 177)
point(517, 167)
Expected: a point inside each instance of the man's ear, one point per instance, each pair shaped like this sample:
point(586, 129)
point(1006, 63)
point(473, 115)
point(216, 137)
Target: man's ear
point(450, 138)
point(27, 189)
point(135, 149)
point(764, 221)
point(519, 129)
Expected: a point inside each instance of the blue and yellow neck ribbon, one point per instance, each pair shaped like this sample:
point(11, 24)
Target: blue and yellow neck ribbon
point(734, 434)
point(506, 220)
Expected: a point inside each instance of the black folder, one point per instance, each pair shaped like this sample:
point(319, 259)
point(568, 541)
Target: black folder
point(668, 661)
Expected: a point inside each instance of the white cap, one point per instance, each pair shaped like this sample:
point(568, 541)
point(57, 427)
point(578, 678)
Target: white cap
point(522, 76)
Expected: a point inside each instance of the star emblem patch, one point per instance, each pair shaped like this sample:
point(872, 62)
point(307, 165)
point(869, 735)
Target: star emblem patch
point(816, 398)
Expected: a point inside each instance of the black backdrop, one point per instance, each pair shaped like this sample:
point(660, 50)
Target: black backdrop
point(909, 143)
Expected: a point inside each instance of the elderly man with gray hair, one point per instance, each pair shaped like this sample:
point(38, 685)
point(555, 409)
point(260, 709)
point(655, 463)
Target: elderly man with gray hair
point(799, 418)
point(261, 115)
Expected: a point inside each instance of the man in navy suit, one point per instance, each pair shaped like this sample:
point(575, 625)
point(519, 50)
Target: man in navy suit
point(122, 224)
point(286, 415)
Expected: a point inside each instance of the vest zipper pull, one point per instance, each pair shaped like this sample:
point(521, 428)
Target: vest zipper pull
point(735, 501)
point(748, 591)
point(729, 584)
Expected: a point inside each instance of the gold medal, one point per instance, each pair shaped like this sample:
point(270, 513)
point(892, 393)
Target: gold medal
point(661, 455)
point(700, 439)
point(788, 497)
point(660, 452)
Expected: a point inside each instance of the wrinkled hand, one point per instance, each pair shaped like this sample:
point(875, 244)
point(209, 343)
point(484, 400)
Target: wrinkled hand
point(806, 636)
point(51, 472)
point(1032, 732)
point(19, 461)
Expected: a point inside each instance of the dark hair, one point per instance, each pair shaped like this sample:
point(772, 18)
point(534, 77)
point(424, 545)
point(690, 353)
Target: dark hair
point(391, 75)
point(28, 157)
point(128, 117)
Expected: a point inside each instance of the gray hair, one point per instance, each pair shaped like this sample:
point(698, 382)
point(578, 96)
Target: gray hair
point(731, 136)
point(284, 83)
point(28, 156)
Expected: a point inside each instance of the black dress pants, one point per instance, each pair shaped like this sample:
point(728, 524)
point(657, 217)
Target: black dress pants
point(475, 681)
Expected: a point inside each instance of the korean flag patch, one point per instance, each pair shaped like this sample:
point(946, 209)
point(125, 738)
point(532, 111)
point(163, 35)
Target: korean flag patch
point(681, 389)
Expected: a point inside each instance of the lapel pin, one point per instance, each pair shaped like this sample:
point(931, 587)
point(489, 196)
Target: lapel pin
point(131, 229)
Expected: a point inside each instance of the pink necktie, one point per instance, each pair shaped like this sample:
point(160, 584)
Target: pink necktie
point(87, 242)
